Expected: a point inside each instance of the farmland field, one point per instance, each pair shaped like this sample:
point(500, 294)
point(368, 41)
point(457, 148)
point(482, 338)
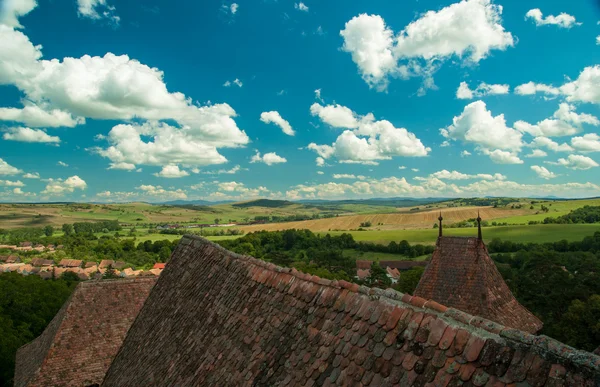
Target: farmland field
point(534, 234)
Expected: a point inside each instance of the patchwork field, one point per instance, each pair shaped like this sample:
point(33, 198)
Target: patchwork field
point(394, 221)
point(535, 234)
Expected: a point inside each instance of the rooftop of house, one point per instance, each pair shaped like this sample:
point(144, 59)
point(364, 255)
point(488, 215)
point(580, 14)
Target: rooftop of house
point(160, 266)
point(80, 342)
point(70, 262)
point(462, 275)
point(218, 318)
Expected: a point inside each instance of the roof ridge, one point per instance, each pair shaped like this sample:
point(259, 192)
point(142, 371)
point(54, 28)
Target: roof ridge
point(541, 344)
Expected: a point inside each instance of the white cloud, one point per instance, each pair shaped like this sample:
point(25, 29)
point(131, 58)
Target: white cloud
point(234, 8)
point(29, 135)
point(379, 140)
point(122, 165)
point(530, 88)
point(62, 164)
point(9, 183)
point(231, 171)
point(415, 169)
point(455, 175)
point(563, 20)
point(12, 10)
point(318, 95)
point(502, 157)
point(275, 117)
point(587, 143)
point(7, 169)
point(160, 144)
point(33, 175)
point(301, 6)
point(468, 30)
point(598, 40)
point(60, 186)
point(114, 88)
point(401, 167)
point(158, 191)
point(537, 153)
point(239, 188)
point(320, 161)
point(96, 10)
point(565, 122)
point(577, 162)
point(337, 116)
point(172, 171)
point(348, 176)
point(544, 142)
point(268, 158)
point(477, 125)
point(586, 88)
point(236, 82)
point(34, 116)
point(543, 172)
point(465, 153)
point(464, 92)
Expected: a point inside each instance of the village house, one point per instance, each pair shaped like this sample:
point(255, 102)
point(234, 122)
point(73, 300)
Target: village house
point(10, 258)
point(70, 263)
point(41, 262)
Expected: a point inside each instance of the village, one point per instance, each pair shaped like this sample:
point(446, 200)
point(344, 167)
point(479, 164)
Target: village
point(49, 269)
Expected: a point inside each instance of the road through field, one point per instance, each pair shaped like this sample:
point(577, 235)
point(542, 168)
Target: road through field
point(394, 221)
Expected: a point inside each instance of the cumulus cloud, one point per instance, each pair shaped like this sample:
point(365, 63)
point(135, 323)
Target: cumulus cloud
point(543, 172)
point(301, 6)
point(171, 171)
point(236, 82)
point(587, 143)
point(96, 10)
point(33, 175)
point(275, 118)
point(465, 153)
point(12, 10)
point(477, 125)
point(499, 156)
point(586, 88)
point(268, 158)
point(115, 88)
point(34, 116)
point(537, 153)
point(545, 142)
point(158, 191)
point(577, 162)
point(62, 164)
point(233, 189)
point(60, 186)
point(468, 30)
point(7, 169)
point(160, 144)
point(367, 140)
point(563, 20)
point(320, 161)
point(9, 183)
point(565, 122)
point(29, 135)
point(464, 92)
point(455, 175)
point(348, 176)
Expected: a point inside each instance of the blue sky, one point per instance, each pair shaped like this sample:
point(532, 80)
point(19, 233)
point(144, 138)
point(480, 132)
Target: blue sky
point(106, 100)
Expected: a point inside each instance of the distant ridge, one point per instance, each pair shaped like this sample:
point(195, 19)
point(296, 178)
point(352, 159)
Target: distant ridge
point(264, 203)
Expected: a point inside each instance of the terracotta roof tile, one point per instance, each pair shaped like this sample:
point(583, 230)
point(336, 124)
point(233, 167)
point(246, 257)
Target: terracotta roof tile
point(79, 344)
point(461, 275)
point(228, 320)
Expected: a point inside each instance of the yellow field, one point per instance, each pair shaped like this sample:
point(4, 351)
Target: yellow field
point(393, 221)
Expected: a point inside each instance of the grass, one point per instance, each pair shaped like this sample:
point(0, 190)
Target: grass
point(535, 234)
point(376, 256)
point(556, 208)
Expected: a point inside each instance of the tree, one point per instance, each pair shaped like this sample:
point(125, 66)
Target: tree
point(67, 229)
point(581, 324)
point(164, 254)
point(110, 273)
point(409, 280)
point(378, 277)
point(217, 220)
point(48, 230)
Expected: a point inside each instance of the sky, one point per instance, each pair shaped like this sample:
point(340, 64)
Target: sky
point(120, 100)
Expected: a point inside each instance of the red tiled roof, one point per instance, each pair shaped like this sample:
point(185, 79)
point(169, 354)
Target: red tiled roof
point(159, 266)
point(363, 273)
point(216, 318)
point(70, 263)
point(364, 265)
point(394, 273)
point(79, 344)
point(41, 262)
point(462, 275)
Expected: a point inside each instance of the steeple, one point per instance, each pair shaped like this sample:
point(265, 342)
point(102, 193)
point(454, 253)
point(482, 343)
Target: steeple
point(440, 228)
point(479, 226)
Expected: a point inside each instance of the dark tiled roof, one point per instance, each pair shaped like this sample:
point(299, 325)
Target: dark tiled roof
point(79, 344)
point(215, 318)
point(70, 263)
point(41, 262)
point(363, 265)
point(462, 275)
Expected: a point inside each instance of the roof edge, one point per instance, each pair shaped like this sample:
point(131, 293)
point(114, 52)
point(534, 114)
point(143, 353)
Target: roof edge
point(540, 344)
